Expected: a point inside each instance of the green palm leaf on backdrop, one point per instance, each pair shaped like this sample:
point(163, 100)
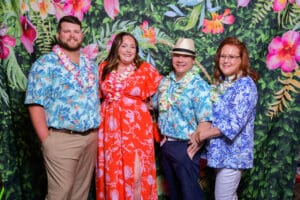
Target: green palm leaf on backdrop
point(16, 78)
point(261, 10)
point(46, 33)
point(290, 16)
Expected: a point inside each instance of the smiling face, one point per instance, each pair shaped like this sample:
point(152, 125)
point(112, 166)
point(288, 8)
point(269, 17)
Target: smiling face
point(182, 64)
point(127, 51)
point(230, 60)
point(70, 36)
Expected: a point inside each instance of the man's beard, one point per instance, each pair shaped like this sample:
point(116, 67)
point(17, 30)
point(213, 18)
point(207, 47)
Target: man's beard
point(67, 47)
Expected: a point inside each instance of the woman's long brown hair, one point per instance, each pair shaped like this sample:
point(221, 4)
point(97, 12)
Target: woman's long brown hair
point(113, 58)
point(245, 62)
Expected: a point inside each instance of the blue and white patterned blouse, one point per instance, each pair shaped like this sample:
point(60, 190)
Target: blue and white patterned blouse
point(67, 105)
point(234, 115)
point(193, 106)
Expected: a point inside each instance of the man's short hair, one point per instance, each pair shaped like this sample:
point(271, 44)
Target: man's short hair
point(70, 19)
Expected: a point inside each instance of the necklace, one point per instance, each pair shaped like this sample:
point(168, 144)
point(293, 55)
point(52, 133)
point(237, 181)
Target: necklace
point(116, 83)
point(166, 99)
point(218, 89)
point(69, 66)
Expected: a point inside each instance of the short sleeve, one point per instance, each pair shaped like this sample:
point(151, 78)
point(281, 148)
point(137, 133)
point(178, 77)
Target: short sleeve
point(39, 83)
point(152, 79)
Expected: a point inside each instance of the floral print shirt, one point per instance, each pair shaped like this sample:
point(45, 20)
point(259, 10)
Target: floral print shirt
point(234, 114)
point(192, 107)
point(67, 104)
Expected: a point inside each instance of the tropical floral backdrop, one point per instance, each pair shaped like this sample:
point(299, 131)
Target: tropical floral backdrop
point(270, 29)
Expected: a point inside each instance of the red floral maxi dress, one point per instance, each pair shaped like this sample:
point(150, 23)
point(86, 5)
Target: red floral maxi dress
point(126, 163)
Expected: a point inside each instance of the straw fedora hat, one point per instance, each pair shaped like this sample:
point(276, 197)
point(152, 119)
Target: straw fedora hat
point(184, 46)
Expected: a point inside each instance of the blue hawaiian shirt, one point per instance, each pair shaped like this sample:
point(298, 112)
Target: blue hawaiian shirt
point(184, 115)
point(67, 104)
point(234, 115)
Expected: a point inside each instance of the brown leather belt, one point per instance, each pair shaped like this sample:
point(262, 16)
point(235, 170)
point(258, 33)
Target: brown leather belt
point(168, 138)
point(73, 132)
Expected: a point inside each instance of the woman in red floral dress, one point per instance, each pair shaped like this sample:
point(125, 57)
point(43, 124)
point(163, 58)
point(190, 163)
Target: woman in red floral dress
point(126, 162)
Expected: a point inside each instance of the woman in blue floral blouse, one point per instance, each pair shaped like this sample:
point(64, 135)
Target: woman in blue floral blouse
point(234, 98)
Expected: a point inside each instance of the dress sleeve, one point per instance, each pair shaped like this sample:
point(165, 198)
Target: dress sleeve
point(100, 68)
point(152, 79)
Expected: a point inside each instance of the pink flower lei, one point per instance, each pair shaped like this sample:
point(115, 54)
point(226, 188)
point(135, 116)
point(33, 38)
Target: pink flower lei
point(69, 66)
point(116, 83)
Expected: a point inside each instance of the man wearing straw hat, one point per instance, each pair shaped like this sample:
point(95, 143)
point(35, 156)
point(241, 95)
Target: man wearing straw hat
point(183, 101)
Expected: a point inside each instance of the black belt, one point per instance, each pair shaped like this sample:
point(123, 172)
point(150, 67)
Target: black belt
point(73, 132)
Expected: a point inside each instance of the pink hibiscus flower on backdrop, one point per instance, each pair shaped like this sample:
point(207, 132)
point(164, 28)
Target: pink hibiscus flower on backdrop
point(112, 8)
point(91, 51)
point(29, 34)
point(6, 41)
point(284, 52)
point(76, 7)
point(59, 8)
point(279, 5)
point(215, 25)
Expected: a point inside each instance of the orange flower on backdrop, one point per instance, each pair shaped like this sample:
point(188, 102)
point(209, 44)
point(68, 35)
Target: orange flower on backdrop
point(23, 7)
point(148, 32)
point(45, 7)
point(215, 25)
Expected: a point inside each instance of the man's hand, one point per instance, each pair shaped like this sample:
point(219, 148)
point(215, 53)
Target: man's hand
point(202, 126)
point(194, 146)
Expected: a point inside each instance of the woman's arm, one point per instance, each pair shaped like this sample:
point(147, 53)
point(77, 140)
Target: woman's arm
point(194, 144)
point(207, 133)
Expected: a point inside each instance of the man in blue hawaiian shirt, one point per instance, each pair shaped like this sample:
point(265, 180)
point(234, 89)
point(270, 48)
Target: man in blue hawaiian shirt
point(63, 102)
point(183, 101)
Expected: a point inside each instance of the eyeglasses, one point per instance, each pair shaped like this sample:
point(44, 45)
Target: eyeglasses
point(229, 57)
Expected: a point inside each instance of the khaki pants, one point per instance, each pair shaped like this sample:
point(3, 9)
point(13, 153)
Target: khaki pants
point(70, 162)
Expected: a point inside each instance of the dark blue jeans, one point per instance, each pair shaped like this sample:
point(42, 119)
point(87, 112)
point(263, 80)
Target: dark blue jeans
point(181, 172)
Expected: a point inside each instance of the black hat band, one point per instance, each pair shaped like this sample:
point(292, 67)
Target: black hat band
point(184, 50)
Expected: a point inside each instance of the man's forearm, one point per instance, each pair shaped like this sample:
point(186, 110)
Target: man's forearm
point(38, 119)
